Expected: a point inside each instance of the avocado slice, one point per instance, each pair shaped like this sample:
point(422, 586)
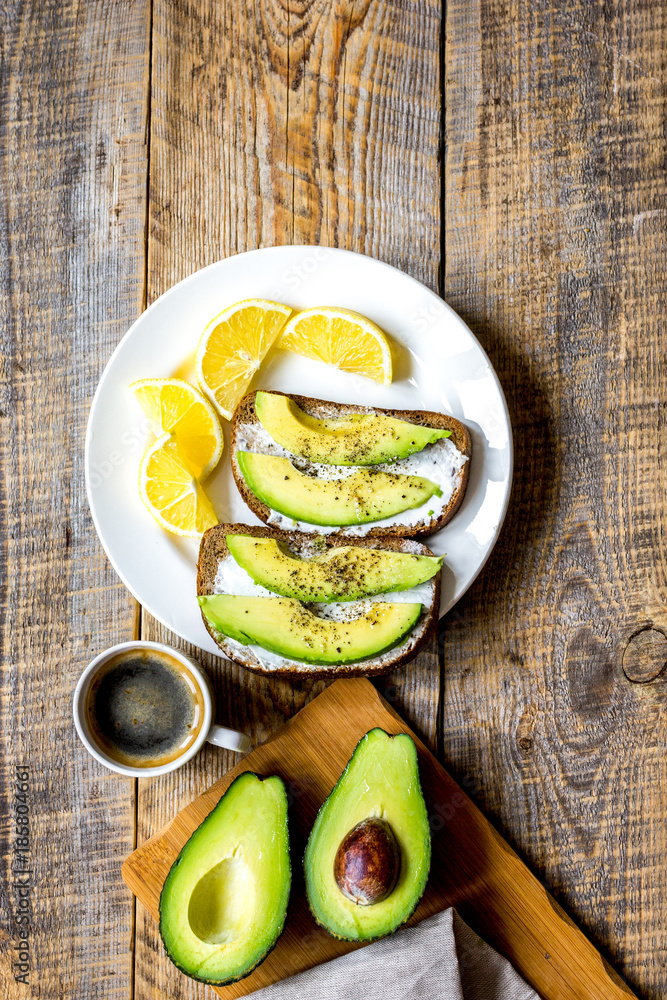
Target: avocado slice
point(358, 439)
point(358, 498)
point(289, 629)
point(347, 573)
point(224, 901)
point(380, 784)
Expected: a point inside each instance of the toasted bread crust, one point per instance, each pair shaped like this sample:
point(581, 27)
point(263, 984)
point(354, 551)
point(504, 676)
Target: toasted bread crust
point(321, 408)
point(213, 548)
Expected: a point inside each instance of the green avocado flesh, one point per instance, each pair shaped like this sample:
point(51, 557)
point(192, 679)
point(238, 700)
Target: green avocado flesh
point(224, 902)
point(287, 628)
point(381, 780)
point(359, 439)
point(359, 498)
point(348, 573)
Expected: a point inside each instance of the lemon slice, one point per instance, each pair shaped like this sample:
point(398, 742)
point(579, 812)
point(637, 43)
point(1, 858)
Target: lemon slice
point(232, 348)
point(341, 338)
point(171, 492)
point(174, 405)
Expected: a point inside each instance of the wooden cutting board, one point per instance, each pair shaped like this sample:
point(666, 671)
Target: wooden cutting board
point(472, 868)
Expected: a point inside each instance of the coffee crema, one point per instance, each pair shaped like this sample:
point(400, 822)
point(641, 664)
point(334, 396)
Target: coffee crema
point(144, 708)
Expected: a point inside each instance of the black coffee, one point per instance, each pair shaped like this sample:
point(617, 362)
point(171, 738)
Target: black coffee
point(144, 708)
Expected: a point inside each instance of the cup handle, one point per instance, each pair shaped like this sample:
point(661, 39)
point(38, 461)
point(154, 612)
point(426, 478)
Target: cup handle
point(229, 739)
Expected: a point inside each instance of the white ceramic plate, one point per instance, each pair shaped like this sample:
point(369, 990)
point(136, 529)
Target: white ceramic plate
point(440, 366)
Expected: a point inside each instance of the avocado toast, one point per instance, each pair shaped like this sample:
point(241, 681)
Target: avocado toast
point(317, 466)
point(342, 634)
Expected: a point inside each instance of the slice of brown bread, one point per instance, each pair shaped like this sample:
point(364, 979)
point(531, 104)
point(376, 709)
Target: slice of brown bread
point(245, 417)
point(213, 549)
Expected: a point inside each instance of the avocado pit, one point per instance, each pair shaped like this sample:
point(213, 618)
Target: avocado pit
point(367, 862)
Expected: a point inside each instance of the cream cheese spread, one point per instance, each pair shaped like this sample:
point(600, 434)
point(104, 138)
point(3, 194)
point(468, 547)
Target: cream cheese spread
point(441, 462)
point(233, 579)
point(272, 661)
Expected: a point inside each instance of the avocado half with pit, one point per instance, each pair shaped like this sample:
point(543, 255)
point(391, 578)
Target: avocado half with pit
point(345, 573)
point(286, 627)
point(224, 901)
point(358, 498)
point(358, 439)
point(368, 855)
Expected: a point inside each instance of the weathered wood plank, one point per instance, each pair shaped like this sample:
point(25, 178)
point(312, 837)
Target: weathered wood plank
point(555, 254)
point(73, 168)
point(272, 123)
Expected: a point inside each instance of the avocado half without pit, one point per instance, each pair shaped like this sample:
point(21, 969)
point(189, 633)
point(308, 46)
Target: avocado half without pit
point(368, 855)
point(224, 901)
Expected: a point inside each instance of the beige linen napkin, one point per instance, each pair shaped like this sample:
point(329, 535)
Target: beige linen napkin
point(439, 959)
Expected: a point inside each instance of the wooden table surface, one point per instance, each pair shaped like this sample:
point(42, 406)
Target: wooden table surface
point(511, 155)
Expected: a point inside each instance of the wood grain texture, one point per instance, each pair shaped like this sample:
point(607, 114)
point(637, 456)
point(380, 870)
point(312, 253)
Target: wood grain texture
point(73, 181)
point(318, 121)
point(471, 864)
point(274, 123)
point(556, 203)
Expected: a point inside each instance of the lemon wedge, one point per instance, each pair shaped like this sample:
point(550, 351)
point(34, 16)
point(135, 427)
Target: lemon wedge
point(341, 338)
point(171, 492)
point(232, 348)
point(176, 406)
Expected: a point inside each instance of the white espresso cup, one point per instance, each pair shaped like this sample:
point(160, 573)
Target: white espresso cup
point(199, 689)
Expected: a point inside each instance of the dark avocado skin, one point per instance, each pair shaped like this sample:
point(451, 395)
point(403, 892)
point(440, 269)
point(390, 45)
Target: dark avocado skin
point(332, 933)
point(247, 972)
point(220, 982)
